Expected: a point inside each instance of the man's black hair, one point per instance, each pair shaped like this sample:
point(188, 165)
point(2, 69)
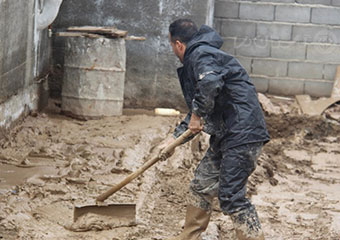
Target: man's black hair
point(183, 30)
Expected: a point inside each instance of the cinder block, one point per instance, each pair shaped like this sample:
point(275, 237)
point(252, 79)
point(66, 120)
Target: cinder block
point(257, 11)
point(252, 47)
point(261, 83)
point(329, 71)
point(292, 14)
point(326, 15)
point(274, 31)
point(323, 53)
point(310, 33)
point(336, 2)
point(235, 28)
point(334, 35)
point(323, 2)
point(229, 45)
point(318, 88)
point(245, 62)
point(305, 70)
point(286, 86)
point(226, 9)
point(272, 68)
point(288, 50)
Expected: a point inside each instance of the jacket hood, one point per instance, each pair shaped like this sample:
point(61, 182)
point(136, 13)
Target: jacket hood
point(205, 36)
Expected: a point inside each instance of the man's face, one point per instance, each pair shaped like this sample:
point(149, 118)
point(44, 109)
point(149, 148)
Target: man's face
point(178, 48)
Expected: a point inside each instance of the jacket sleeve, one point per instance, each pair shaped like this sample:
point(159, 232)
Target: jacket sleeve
point(209, 83)
point(183, 126)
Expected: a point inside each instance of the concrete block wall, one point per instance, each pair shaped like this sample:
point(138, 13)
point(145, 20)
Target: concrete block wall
point(24, 56)
point(287, 46)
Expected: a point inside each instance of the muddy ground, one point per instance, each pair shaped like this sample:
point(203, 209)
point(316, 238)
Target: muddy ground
point(50, 162)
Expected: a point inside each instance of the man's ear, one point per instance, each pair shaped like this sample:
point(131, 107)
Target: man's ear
point(179, 44)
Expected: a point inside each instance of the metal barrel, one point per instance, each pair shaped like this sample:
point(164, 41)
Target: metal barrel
point(94, 76)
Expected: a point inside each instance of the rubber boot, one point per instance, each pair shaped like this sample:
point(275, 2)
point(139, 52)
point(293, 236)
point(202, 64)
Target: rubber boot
point(196, 222)
point(247, 225)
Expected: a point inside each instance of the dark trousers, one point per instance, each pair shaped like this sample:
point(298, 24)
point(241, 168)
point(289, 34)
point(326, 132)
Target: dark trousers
point(224, 173)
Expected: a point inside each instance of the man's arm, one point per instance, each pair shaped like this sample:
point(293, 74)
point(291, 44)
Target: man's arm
point(209, 83)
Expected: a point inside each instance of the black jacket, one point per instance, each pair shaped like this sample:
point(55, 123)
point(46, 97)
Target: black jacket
point(217, 88)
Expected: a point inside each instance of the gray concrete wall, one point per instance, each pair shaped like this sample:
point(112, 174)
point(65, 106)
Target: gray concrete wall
point(288, 46)
point(151, 79)
point(20, 64)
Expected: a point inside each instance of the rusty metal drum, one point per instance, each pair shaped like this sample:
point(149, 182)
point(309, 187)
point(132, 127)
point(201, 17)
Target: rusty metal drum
point(94, 76)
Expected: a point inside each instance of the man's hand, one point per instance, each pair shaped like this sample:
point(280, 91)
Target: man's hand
point(195, 124)
point(166, 143)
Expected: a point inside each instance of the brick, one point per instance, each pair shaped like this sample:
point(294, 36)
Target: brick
point(323, 53)
point(229, 45)
point(274, 31)
point(324, 2)
point(235, 28)
point(326, 15)
point(272, 68)
point(226, 9)
point(288, 50)
point(310, 34)
point(318, 88)
point(257, 11)
point(329, 71)
point(292, 14)
point(305, 70)
point(261, 83)
point(252, 47)
point(245, 62)
point(336, 2)
point(286, 86)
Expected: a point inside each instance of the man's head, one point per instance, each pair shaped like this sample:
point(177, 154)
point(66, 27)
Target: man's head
point(181, 32)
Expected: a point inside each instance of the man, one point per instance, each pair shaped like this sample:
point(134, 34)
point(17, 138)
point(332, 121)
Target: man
point(223, 103)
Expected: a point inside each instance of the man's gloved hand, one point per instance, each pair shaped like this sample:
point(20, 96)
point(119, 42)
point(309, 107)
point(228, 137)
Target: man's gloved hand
point(166, 142)
point(195, 124)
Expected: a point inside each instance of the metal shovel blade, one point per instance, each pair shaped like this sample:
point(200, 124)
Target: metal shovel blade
point(126, 213)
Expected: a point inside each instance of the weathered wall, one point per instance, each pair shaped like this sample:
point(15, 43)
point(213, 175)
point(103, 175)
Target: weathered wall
point(289, 46)
point(23, 57)
point(151, 78)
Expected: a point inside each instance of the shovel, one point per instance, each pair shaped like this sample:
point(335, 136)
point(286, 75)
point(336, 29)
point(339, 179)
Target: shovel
point(126, 212)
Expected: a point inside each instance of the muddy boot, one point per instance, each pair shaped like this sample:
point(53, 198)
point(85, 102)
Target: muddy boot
point(247, 225)
point(196, 222)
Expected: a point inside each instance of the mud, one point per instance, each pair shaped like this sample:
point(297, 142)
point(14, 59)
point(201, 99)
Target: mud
point(49, 163)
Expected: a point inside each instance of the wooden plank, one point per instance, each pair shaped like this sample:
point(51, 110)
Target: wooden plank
point(111, 31)
point(78, 34)
point(135, 38)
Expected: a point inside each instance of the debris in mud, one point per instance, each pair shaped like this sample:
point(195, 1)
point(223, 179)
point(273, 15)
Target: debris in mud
point(295, 186)
point(267, 106)
point(333, 112)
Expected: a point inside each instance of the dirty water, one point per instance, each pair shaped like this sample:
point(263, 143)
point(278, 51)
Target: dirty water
point(50, 163)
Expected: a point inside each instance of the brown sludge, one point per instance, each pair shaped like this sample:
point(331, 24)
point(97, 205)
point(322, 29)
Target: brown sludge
point(50, 162)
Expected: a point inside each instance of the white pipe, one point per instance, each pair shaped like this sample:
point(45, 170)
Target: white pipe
point(48, 12)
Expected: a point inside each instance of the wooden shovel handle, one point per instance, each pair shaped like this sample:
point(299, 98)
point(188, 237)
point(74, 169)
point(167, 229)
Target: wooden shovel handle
point(145, 166)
